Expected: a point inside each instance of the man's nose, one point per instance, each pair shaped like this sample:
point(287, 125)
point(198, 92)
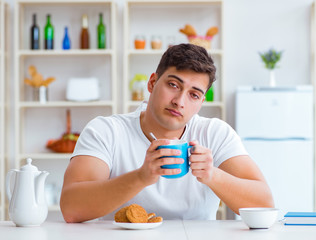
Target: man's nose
point(179, 100)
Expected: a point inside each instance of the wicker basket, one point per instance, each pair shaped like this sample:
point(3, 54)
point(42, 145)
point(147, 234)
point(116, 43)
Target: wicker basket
point(202, 41)
point(64, 144)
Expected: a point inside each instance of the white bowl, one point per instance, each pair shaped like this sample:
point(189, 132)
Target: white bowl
point(259, 217)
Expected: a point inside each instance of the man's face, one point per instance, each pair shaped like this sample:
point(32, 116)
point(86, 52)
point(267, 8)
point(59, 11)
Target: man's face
point(176, 96)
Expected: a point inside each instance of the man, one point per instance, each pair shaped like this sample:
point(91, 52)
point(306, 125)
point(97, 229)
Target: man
point(116, 162)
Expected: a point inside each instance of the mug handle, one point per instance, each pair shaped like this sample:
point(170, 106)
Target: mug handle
point(189, 153)
point(8, 183)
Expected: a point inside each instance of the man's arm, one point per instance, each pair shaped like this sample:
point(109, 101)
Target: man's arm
point(88, 193)
point(238, 182)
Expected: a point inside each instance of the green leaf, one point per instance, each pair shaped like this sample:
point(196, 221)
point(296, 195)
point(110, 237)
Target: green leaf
point(270, 58)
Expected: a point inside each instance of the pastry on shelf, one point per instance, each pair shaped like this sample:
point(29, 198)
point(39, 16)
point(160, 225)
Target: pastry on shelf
point(194, 38)
point(212, 31)
point(67, 143)
point(188, 30)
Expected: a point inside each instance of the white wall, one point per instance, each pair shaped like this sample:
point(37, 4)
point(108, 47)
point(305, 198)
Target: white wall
point(257, 25)
point(252, 26)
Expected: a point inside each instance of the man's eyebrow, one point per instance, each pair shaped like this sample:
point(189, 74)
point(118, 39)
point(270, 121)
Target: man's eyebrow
point(180, 80)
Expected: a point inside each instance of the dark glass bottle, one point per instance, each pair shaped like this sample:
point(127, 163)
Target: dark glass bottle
point(49, 34)
point(84, 36)
point(66, 40)
point(35, 34)
point(101, 33)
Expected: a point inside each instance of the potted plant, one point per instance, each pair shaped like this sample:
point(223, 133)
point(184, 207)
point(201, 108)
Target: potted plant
point(270, 59)
point(39, 84)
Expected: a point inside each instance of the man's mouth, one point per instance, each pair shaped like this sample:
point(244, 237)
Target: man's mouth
point(174, 112)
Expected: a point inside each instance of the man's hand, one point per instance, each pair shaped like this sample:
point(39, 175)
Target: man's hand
point(201, 160)
point(151, 170)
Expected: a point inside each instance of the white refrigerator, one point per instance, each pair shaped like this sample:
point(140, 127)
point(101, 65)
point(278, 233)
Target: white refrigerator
point(276, 127)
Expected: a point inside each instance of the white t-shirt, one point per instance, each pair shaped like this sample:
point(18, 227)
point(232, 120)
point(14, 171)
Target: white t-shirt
point(119, 141)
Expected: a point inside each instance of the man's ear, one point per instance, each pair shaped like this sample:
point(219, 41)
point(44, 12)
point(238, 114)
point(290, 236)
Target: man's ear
point(151, 82)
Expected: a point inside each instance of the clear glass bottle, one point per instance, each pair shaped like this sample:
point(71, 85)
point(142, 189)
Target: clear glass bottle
point(49, 33)
point(138, 87)
point(101, 33)
point(84, 36)
point(171, 40)
point(35, 34)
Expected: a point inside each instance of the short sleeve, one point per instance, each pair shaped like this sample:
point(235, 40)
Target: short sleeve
point(97, 140)
point(226, 143)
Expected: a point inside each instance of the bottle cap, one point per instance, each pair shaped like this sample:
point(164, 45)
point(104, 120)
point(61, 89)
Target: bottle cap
point(85, 21)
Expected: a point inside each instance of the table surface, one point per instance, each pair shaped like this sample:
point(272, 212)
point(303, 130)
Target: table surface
point(172, 229)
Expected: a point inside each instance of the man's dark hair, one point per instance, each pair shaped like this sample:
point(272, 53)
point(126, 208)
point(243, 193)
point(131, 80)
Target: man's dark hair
point(188, 57)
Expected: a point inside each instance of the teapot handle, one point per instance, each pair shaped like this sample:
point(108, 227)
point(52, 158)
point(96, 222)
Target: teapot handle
point(8, 183)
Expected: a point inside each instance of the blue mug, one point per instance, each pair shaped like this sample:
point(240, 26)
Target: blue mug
point(184, 147)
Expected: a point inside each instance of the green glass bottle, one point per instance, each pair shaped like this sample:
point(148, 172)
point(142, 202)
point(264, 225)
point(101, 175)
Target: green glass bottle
point(101, 33)
point(209, 96)
point(49, 34)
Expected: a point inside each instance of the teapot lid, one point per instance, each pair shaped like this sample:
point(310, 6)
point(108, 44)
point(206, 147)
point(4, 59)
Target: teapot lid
point(28, 166)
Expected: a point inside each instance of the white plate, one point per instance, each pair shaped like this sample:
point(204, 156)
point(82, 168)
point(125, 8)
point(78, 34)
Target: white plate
point(137, 225)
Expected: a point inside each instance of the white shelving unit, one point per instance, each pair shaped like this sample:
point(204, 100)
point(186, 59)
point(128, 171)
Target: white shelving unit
point(139, 19)
point(3, 106)
point(164, 18)
point(33, 118)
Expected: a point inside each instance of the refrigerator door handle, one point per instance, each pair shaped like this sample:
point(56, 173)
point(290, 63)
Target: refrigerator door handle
point(276, 139)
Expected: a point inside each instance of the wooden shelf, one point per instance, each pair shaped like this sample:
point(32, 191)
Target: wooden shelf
point(3, 99)
point(71, 52)
point(34, 122)
point(213, 104)
point(135, 24)
point(54, 208)
point(52, 104)
point(134, 103)
point(45, 156)
point(166, 2)
point(161, 51)
point(205, 104)
point(21, 2)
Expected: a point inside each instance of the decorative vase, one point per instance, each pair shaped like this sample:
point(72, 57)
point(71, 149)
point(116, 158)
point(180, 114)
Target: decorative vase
point(272, 78)
point(40, 94)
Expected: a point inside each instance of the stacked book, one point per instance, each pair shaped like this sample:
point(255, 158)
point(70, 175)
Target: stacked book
point(300, 218)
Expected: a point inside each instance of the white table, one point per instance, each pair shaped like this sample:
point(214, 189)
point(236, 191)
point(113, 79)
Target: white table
point(173, 230)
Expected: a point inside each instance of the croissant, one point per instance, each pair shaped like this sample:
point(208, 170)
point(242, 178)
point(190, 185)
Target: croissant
point(188, 30)
point(212, 31)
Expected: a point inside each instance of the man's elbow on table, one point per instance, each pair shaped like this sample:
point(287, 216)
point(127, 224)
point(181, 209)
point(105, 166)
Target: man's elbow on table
point(69, 214)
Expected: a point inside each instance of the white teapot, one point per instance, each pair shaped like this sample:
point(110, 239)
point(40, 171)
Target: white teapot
point(28, 205)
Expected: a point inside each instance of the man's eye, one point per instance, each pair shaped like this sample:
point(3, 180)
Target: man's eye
point(195, 96)
point(172, 85)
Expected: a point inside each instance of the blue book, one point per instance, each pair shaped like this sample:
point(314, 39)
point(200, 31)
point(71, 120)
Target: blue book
point(300, 218)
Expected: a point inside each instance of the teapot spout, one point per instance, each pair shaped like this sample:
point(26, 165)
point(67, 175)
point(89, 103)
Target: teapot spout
point(40, 187)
